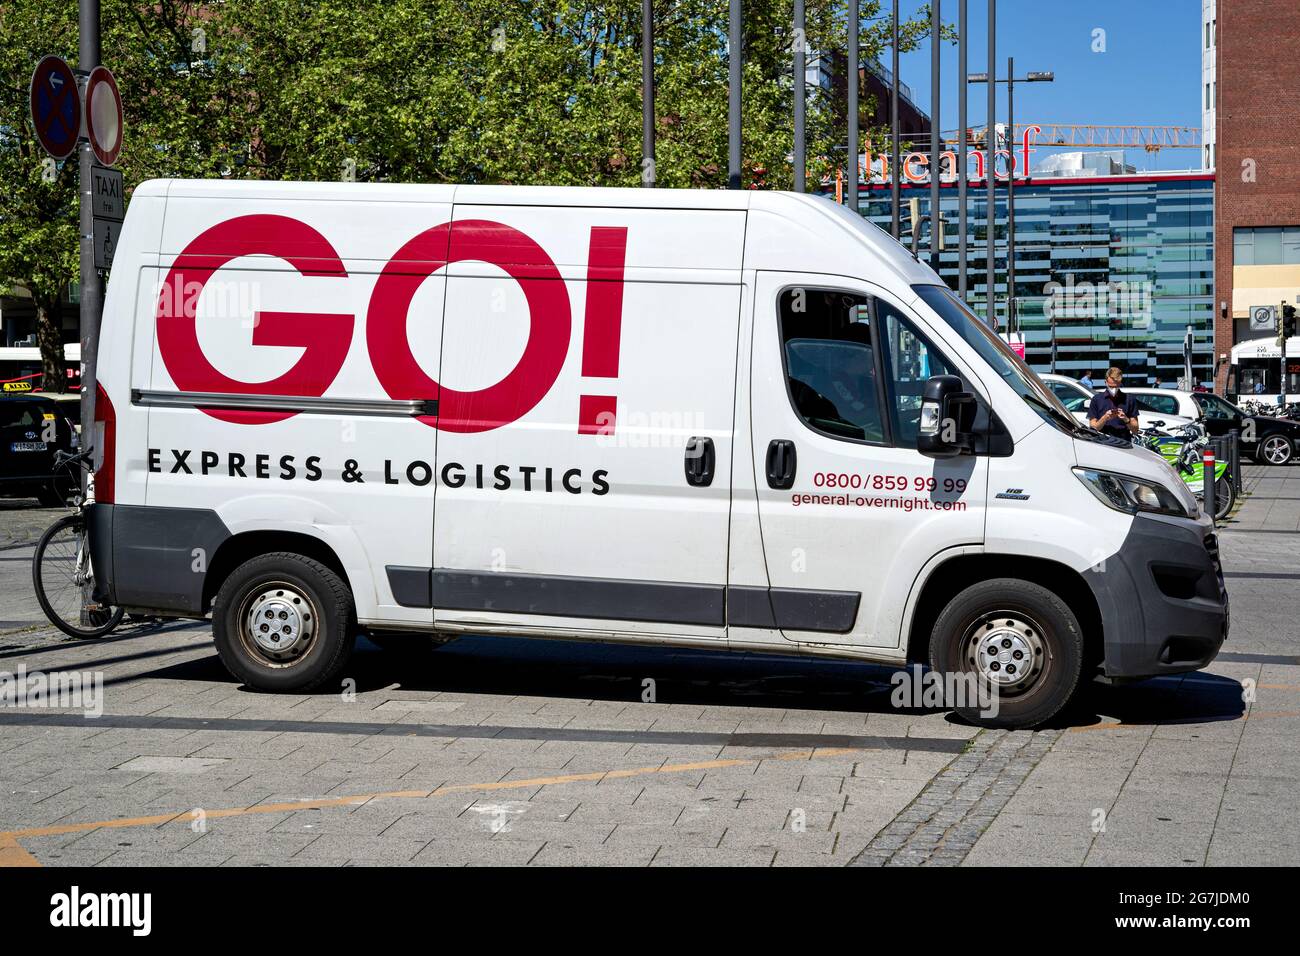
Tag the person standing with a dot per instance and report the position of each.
(1086, 381)
(1112, 412)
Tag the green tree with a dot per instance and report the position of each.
(411, 91)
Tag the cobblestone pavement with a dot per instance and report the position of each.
(506, 751)
(942, 824)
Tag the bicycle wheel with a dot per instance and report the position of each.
(1225, 495)
(64, 581)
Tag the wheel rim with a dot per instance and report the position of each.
(278, 623)
(1007, 650)
(1277, 450)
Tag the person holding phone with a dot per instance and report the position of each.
(1112, 412)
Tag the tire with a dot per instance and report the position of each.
(50, 566)
(1037, 624)
(1274, 450)
(301, 606)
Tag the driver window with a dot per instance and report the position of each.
(909, 360)
(827, 342)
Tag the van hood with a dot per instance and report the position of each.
(1124, 459)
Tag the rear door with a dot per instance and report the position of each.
(584, 350)
(317, 323)
(850, 511)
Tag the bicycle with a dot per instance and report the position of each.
(61, 567)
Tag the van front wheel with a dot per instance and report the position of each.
(1018, 643)
(283, 622)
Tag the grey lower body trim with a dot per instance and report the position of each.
(663, 602)
(558, 596)
(793, 609)
(152, 557)
(1163, 604)
(411, 587)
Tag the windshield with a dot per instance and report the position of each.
(1212, 406)
(999, 356)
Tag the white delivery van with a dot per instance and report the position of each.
(744, 420)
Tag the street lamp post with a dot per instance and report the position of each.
(895, 177)
(936, 218)
(1012, 79)
(851, 174)
(990, 262)
(800, 98)
(647, 93)
(734, 55)
(990, 168)
(961, 149)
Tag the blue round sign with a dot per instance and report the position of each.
(56, 106)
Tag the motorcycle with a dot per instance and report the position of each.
(1185, 454)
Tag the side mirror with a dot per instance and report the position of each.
(947, 417)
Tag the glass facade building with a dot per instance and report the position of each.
(1109, 270)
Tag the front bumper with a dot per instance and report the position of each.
(1164, 607)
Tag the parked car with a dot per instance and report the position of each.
(1076, 396)
(1272, 441)
(32, 428)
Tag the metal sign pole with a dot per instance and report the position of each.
(91, 294)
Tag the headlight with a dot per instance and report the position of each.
(1125, 493)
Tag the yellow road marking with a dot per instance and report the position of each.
(1116, 725)
(13, 854)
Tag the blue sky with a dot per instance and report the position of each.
(1150, 72)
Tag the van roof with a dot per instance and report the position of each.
(798, 222)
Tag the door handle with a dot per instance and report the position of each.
(781, 463)
(701, 461)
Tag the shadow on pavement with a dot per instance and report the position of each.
(1196, 698)
(590, 671)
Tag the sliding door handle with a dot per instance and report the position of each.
(781, 463)
(701, 462)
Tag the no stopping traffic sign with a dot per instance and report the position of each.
(56, 107)
(104, 115)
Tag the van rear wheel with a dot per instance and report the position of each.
(283, 622)
(1020, 643)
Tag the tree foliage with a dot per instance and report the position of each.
(413, 91)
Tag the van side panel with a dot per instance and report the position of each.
(587, 488)
(275, 296)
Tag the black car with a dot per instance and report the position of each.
(32, 429)
(1272, 441)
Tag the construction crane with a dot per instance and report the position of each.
(1084, 136)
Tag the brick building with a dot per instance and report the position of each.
(1255, 92)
